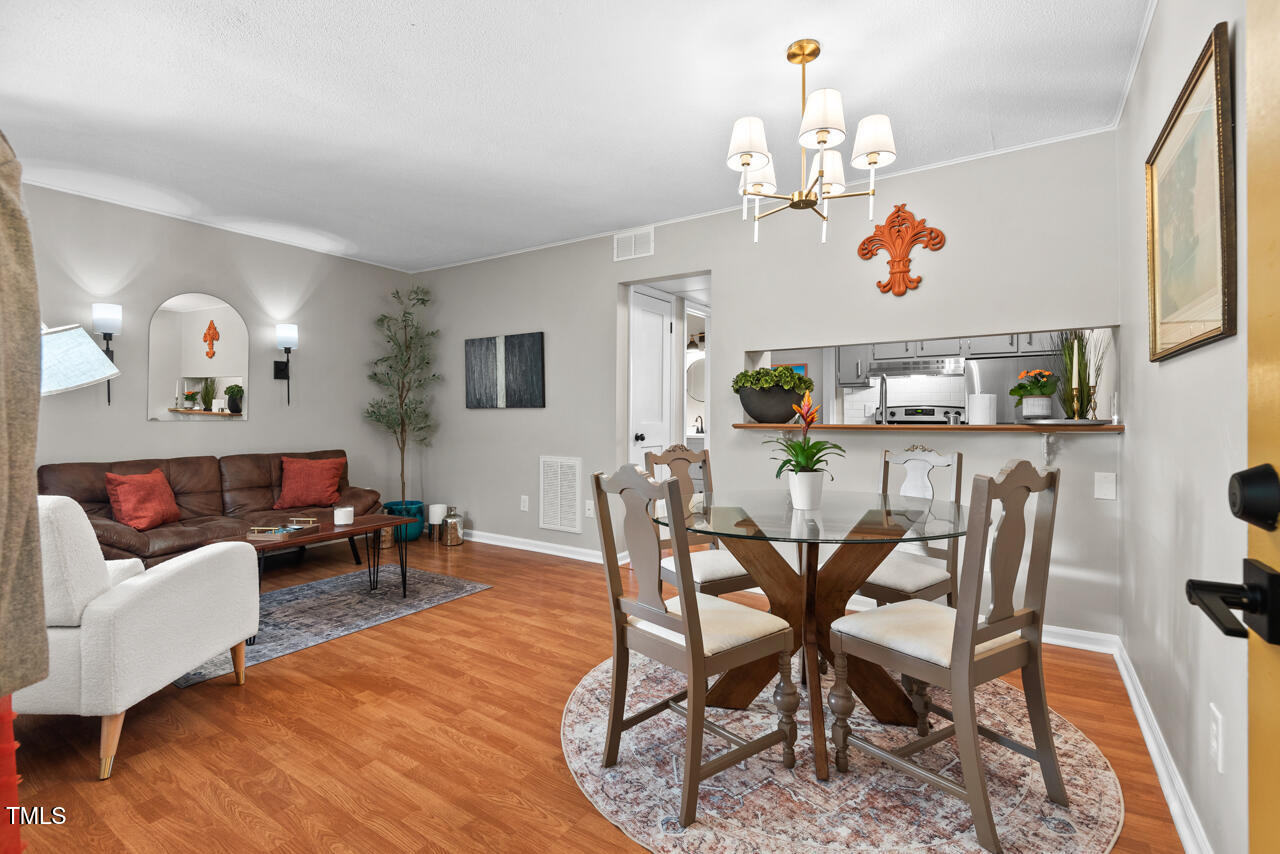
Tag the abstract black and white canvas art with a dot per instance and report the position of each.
(505, 372)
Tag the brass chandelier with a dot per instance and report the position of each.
(821, 130)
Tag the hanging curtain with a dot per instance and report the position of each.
(24, 653)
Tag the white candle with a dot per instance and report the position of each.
(1075, 366)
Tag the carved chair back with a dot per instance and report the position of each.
(920, 464)
(1012, 488)
(682, 462)
(637, 491)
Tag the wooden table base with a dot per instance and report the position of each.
(810, 600)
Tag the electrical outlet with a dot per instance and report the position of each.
(1215, 736)
(524, 503)
(1104, 485)
(589, 509)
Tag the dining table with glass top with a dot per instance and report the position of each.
(859, 530)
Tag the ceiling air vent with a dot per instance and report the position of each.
(560, 494)
(633, 244)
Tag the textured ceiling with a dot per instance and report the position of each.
(415, 134)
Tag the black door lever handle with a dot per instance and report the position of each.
(1258, 598)
(1217, 599)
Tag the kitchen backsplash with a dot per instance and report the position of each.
(860, 403)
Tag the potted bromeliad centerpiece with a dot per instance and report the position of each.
(770, 395)
(1034, 392)
(805, 459)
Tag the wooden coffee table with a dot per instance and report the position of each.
(370, 527)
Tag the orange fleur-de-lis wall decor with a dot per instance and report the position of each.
(210, 335)
(900, 232)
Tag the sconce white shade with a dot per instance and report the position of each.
(70, 359)
(107, 318)
(287, 335)
(748, 139)
(823, 111)
(762, 180)
(832, 172)
(874, 136)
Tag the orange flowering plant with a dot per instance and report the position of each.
(805, 454)
(1035, 383)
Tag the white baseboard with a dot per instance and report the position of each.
(1185, 819)
(539, 546)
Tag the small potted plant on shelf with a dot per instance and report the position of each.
(805, 459)
(770, 395)
(208, 391)
(189, 399)
(235, 398)
(1034, 392)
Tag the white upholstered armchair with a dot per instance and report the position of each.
(118, 634)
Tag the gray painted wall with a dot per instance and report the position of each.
(1187, 431)
(90, 251)
(1031, 245)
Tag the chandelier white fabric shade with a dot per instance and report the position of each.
(823, 111)
(763, 180)
(70, 359)
(874, 137)
(832, 164)
(287, 336)
(107, 318)
(748, 140)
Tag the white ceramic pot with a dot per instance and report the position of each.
(806, 489)
(1037, 406)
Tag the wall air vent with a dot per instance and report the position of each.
(633, 244)
(560, 494)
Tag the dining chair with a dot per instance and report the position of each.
(697, 634)
(715, 571)
(917, 570)
(959, 649)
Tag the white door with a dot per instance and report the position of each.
(651, 334)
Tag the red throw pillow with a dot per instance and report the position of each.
(309, 483)
(142, 501)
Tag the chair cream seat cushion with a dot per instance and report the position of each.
(725, 624)
(915, 627)
(907, 574)
(709, 565)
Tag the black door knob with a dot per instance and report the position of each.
(1254, 495)
(639, 437)
(1258, 598)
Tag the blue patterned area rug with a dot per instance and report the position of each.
(295, 618)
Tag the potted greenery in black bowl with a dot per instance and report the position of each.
(235, 397)
(768, 394)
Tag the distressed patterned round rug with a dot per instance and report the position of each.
(759, 806)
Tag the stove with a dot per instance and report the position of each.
(925, 414)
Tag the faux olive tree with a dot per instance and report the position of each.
(403, 374)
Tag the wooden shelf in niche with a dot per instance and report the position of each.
(202, 412)
(952, 428)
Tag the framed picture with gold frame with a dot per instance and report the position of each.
(1191, 212)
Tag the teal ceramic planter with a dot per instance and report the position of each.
(411, 509)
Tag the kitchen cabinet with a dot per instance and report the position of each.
(1037, 342)
(894, 350)
(936, 348)
(853, 365)
(988, 345)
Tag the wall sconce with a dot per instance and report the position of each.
(107, 320)
(286, 340)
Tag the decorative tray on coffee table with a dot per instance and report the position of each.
(299, 526)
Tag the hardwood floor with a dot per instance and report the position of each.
(434, 732)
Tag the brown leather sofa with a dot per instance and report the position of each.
(219, 498)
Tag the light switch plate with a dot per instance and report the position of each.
(1215, 736)
(1104, 485)
(589, 509)
(524, 503)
